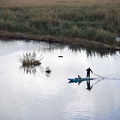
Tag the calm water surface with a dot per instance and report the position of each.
(31, 94)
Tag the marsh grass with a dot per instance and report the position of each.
(31, 59)
(24, 3)
(97, 22)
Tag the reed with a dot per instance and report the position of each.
(95, 22)
(29, 59)
(13, 3)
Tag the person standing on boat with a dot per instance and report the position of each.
(88, 72)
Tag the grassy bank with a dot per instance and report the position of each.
(94, 22)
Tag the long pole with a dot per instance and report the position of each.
(98, 75)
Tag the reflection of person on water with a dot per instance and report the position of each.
(88, 72)
(88, 85)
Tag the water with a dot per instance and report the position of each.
(31, 94)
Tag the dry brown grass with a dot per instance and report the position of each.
(96, 21)
(13, 3)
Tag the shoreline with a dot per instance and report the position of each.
(66, 41)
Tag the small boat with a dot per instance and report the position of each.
(75, 80)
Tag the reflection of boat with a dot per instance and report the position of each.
(75, 80)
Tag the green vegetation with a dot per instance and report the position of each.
(98, 22)
(30, 59)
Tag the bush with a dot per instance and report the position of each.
(31, 59)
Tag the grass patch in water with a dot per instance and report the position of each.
(29, 59)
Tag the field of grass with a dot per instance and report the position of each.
(23, 3)
(94, 20)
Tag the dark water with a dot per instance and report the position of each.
(32, 94)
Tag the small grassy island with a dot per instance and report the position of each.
(30, 59)
(87, 23)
